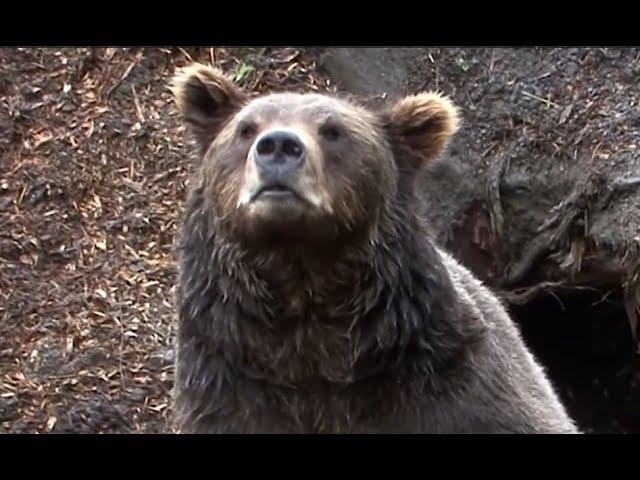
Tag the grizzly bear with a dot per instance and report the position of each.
(311, 298)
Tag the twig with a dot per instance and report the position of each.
(185, 53)
(123, 77)
(544, 75)
(489, 149)
(603, 299)
(540, 99)
(136, 102)
(521, 296)
(525, 295)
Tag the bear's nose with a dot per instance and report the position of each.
(279, 150)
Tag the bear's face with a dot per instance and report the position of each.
(304, 166)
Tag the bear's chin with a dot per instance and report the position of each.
(284, 225)
(272, 207)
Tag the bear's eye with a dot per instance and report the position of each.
(247, 130)
(330, 132)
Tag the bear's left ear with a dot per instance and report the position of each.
(422, 125)
(206, 98)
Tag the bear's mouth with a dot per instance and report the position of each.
(275, 191)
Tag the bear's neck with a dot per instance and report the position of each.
(288, 318)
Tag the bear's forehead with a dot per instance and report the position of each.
(302, 106)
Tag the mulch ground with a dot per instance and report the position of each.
(93, 170)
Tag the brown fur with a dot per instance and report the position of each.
(335, 312)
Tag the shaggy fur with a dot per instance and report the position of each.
(356, 322)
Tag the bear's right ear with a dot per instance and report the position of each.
(206, 98)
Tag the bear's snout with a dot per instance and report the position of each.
(277, 154)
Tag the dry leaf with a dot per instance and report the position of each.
(51, 422)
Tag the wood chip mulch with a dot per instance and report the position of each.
(93, 170)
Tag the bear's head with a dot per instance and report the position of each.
(293, 168)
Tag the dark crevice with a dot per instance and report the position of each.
(584, 341)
